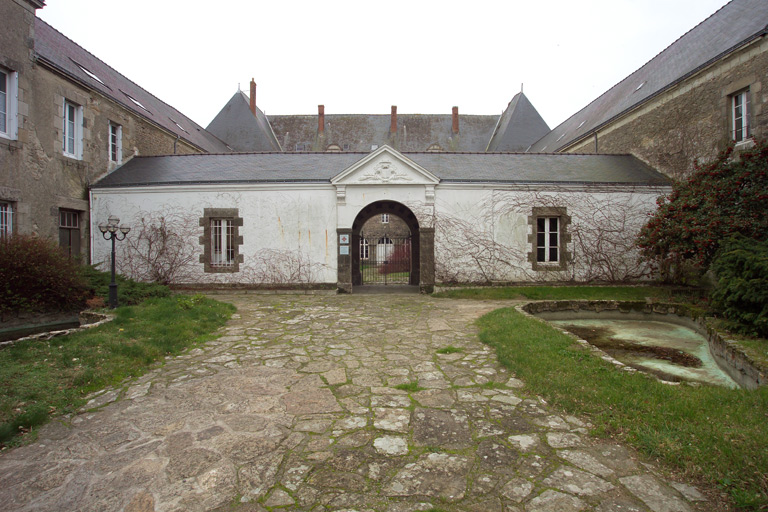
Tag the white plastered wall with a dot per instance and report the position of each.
(281, 224)
(481, 231)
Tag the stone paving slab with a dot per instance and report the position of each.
(295, 407)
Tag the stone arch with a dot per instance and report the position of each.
(422, 240)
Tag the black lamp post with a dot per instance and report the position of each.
(111, 231)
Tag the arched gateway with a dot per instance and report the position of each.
(383, 183)
(403, 252)
(422, 254)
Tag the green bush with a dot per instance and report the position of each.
(726, 196)
(741, 294)
(129, 292)
(36, 276)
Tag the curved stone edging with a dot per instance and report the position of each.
(88, 320)
(734, 361)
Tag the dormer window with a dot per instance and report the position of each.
(135, 101)
(178, 125)
(91, 74)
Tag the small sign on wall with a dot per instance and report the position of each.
(344, 250)
(344, 239)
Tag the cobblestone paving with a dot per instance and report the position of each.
(296, 407)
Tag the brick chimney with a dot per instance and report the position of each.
(253, 96)
(393, 123)
(455, 120)
(320, 119)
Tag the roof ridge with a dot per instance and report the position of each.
(638, 70)
(399, 114)
(196, 125)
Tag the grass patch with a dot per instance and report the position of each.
(567, 293)
(410, 387)
(712, 434)
(450, 349)
(40, 378)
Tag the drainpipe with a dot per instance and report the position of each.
(176, 142)
(90, 225)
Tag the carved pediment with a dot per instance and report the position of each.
(385, 166)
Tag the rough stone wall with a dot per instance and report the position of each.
(35, 175)
(691, 121)
(149, 140)
(15, 51)
(374, 228)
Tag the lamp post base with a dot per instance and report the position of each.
(112, 295)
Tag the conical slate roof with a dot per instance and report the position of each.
(243, 131)
(520, 126)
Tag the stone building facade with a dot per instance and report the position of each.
(694, 120)
(67, 119)
(688, 103)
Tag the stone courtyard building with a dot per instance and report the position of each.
(66, 119)
(282, 200)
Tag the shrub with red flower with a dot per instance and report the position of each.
(726, 196)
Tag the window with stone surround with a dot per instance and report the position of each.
(549, 238)
(115, 143)
(8, 103)
(221, 240)
(6, 219)
(73, 130)
(69, 232)
(739, 116)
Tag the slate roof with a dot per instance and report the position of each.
(562, 168)
(64, 55)
(735, 24)
(415, 132)
(520, 126)
(243, 131)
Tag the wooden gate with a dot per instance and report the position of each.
(385, 260)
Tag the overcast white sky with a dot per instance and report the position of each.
(357, 57)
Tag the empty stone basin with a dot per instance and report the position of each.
(672, 352)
